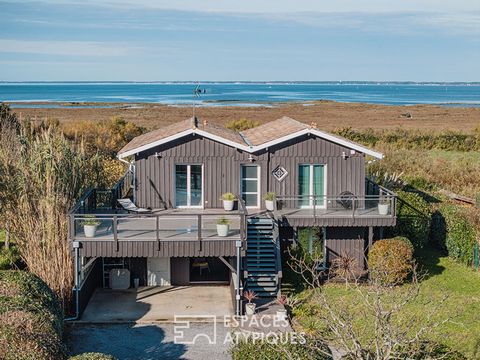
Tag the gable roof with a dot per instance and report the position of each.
(251, 140)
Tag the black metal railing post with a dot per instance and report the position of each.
(115, 232)
(157, 231)
(199, 231)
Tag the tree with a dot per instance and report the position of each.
(392, 336)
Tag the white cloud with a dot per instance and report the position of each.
(288, 6)
(68, 48)
(408, 22)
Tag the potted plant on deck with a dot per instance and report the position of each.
(250, 307)
(383, 206)
(90, 224)
(270, 201)
(228, 201)
(282, 311)
(223, 225)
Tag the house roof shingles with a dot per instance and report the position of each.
(248, 139)
(156, 135)
(273, 130)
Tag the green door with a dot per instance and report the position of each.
(311, 185)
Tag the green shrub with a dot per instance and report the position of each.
(8, 258)
(390, 261)
(459, 233)
(263, 350)
(317, 242)
(228, 196)
(93, 356)
(31, 318)
(413, 218)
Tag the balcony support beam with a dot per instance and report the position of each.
(370, 237)
(227, 264)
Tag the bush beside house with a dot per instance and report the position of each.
(453, 231)
(263, 350)
(413, 218)
(9, 258)
(31, 318)
(390, 261)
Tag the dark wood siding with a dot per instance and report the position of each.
(348, 241)
(138, 269)
(221, 167)
(151, 249)
(155, 174)
(180, 271)
(341, 174)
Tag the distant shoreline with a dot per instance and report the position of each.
(208, 103)
(189, 82)
(328, 115)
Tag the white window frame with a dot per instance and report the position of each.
(189, 187)
(258, 185)
(310, 186)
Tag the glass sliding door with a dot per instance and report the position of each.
(304, 185)
(196, 185)
(311, 182)
(188, 186)
(250, 185)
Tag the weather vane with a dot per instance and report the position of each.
(196, 94)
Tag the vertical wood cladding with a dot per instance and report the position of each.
(155, 168)
(347, 241)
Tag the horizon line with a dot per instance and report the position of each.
(239, 81)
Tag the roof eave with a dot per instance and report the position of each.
(256, 148)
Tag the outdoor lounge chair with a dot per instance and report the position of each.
(128, 205)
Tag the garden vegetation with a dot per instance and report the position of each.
(31, 318)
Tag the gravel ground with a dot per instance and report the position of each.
(151, 341)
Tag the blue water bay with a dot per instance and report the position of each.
(242, 94)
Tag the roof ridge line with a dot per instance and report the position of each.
(245, 138)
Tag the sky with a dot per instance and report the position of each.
(317, 40)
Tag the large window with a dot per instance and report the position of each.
(188, 186)
(311, 185)
(250, 185)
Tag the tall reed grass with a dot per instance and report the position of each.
(42, 175)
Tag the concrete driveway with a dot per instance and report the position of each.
(156, 304)
(146, 342)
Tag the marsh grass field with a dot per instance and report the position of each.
(328, 115)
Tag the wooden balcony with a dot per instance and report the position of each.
(377, 208)
(160, 233)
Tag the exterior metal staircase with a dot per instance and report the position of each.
(263, 263)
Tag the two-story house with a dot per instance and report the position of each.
(178, 174)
